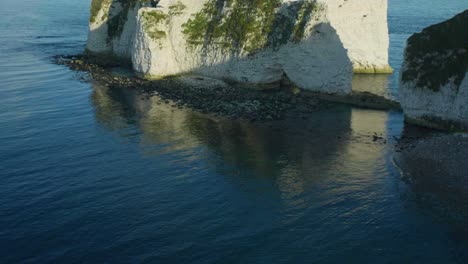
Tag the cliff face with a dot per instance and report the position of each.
(315, 44)
(112, 27)
(434, 83)
(243, 41)
(363, 29)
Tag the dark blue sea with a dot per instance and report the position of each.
(90, 174)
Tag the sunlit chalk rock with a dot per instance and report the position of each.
(363, 29)
(251, 42)
(434, 84)
(314, 44)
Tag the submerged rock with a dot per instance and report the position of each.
(434, 84)
(314, 44)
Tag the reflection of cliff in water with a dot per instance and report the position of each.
(157, 122)
(333, 144)
(111, 108)
(378, 84)
(254, 146)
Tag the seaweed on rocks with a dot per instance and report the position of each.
(205, 95)
(438, 54)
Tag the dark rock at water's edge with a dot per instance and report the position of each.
(217, 97)
(434, 83)
(360, 99)
(433, 164)
(202, 94)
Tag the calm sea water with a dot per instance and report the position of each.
(94, 175)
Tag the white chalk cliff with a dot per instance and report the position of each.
(112, 27)
(315, 44)
(434, 79)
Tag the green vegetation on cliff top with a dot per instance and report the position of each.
(151, 21)
(154, 21)
(97, 5)
(237, 25)
(438, 54)
(177, 9)
(249, 25)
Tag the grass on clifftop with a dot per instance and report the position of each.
(438, 54)
(155, 21)
(151, 21)
(97, 5)
(249, 25)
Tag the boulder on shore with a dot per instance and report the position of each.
(434, 83)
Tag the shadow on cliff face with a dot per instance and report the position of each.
(237, 46)
(335, 143)
(319, 62)
(284, 25)
(238, 35)
(111, 42)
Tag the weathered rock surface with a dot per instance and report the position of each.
(204, 94)
(434, 84)
(247, 43)
(314, 44)
(363, 29)
(112, 27)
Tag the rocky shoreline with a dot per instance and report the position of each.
(433, 165)
(442, 154)
(219, 98)
(202, 94)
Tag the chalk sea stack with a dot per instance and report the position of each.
(316, 45)
(434, 83)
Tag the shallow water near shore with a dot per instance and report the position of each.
(91, 174)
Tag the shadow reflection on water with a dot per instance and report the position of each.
(331, 170)
(337, 140)
(378, 84)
